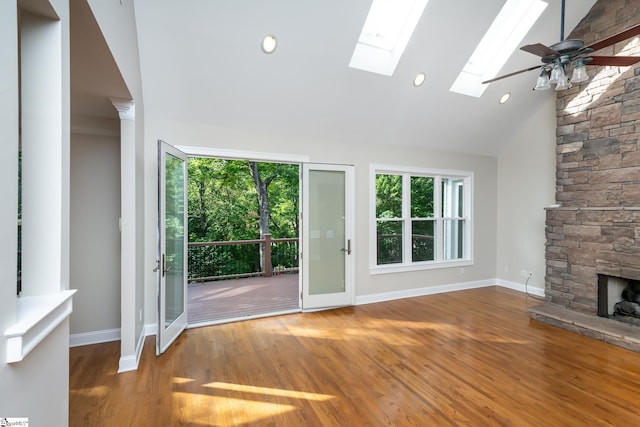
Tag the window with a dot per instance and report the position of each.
(421, 218)
(385, 35)
(512, 23)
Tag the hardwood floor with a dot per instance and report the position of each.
(464, 358)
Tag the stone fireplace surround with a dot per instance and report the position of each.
(595, 228)
(582, 243)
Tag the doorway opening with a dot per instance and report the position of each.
(243, 246)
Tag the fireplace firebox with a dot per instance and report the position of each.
(619, 299)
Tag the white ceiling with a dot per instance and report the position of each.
(201, 61)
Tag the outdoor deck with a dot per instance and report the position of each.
(217, 301)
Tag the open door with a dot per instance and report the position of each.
(172, 253)
(327, 236)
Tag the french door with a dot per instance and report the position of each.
(327, 236)
(172, 251)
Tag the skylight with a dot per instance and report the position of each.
(503, 37)
(385, 34)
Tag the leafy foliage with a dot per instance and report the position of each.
(389, 188)
(224, 206)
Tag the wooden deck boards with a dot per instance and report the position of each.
(238, 298)
(469, 358)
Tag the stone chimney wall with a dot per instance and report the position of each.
(596, 227)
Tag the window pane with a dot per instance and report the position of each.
(422, 241)
(452, 197)
(454, 239)
(422, 197)
(388, 196)
(389, 235)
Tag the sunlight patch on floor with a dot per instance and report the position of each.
(220, 410)
(270, 391)
(180, 380)
(385, 331)
(97, 391)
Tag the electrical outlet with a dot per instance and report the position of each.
(140, 316)
(524, 273)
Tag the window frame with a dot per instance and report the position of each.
(439, 219)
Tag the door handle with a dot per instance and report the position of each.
(164, 269)
(348, 249)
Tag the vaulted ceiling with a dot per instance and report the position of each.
(201, 61)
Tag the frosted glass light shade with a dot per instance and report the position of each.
(543, 82)
(556, 72)
(579, 73)
(563, 82)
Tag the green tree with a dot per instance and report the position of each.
(225, 203)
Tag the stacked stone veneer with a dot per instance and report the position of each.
(596, 228)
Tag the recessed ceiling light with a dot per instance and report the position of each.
(419, 79)
(269, 43)
(504, 98)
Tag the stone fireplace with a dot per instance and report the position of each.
(593, 232)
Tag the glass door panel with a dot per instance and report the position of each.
(327, 242)
(172, 307)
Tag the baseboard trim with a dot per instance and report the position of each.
(130, 363)
(418, 292)
(150, 329)
(532, 290)
(95, 337)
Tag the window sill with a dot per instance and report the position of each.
(402, 268)
(36, 317)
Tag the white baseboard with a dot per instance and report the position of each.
(418, 292)
(520, 287)
(150, 329)
(95, 337)
(130, 363)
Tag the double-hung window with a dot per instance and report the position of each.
(420, 218)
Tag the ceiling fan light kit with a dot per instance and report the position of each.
(572, 53)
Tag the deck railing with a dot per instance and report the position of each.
(210, 261)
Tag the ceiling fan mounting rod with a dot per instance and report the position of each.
(562, 21)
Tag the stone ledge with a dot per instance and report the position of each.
(592, 208)
(607, 330)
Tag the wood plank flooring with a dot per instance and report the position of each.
(232, 299)
(470, 358)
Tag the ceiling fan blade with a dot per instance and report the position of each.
(539, 49)
(511, 74)
(620, 61)
(626, 34)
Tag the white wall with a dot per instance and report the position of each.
(95, 234)
(38, 386)
(117, 23)
(485, 198)
(526, 185)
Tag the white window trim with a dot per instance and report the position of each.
(44, 303)
(36, 317)
(405, 266)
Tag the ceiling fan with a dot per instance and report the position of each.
(557, 58)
